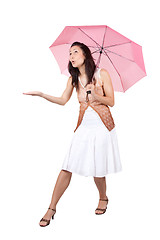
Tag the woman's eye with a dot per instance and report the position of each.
(74, 52)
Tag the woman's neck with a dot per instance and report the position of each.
(82, 70)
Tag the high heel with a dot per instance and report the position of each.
(46, 220)
(101, 209)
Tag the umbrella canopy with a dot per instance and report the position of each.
(120, 56)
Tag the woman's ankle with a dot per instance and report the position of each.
(103, 196)
(52, 206)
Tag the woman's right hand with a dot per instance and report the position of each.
(34, 93)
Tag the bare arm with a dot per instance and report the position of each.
(59, 100)
(65, 96)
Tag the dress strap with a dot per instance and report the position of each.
(80, 82)
(98, 76)
(99, 72)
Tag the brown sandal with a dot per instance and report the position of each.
(103, 210)
(48, 221)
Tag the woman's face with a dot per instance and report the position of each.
(76, 56)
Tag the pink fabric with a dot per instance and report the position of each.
(121, 57)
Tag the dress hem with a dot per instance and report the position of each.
(116, 171)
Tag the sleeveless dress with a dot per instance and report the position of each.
(93, 149)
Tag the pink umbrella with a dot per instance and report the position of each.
(120, 56)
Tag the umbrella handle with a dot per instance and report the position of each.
(88, 92)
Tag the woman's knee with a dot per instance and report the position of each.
(99, 178)
(66, 172)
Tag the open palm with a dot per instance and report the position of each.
(34, 93)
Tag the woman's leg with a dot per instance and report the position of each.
(101, 185)
(61, 185)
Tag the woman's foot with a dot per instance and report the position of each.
(47, 216)
(102, 205)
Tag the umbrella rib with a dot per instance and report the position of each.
(70, 45)
(95, 51)
(89, 37)
(120, 56)
(98, 61)
(99, 58)
(104, 35)
(117, 44)
(115, 69)
(91, 46)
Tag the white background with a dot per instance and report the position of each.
(35, 133)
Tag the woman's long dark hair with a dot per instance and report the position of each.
(90, 65)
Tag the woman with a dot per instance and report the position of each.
(94, 149)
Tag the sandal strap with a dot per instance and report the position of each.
(104, 199)
(52, 209)
(45, 220)
(101, 209)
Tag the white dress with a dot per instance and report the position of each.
(93, 150)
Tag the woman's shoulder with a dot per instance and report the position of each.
(102, 74)
(69, 82)
(103, 71)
